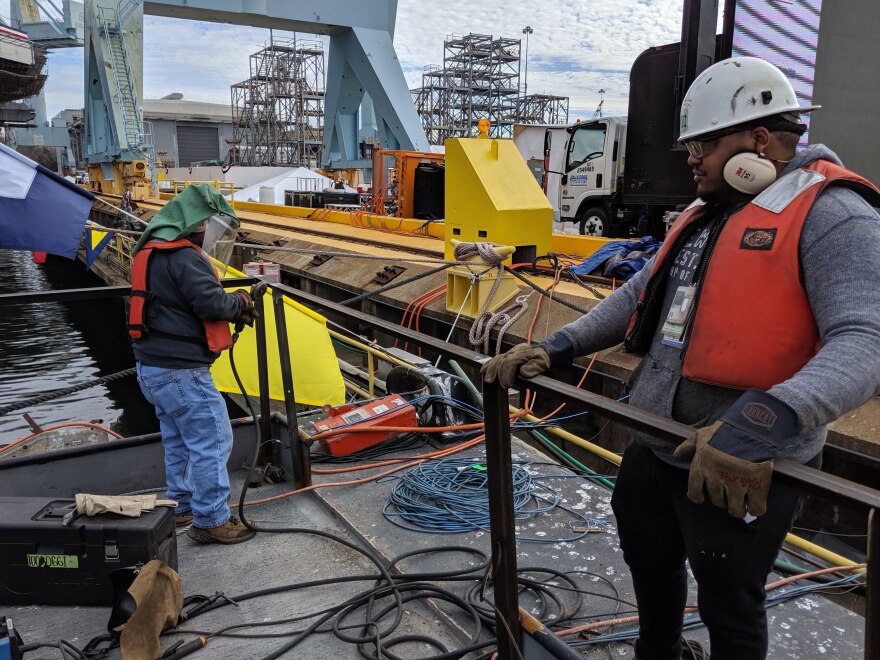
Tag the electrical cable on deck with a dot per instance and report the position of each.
(452, 496)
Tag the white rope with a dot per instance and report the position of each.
(481, 330)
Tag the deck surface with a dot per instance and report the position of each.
(809, 627)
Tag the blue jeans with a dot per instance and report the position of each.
(197, 439)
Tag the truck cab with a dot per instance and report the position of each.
(592, 167)
(580, 167)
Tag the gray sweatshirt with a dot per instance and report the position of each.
(840, 259)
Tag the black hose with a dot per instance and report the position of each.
(534, 286)
(297, 530)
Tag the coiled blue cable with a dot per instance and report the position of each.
(451, 496)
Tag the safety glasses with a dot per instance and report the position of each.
(700, 148)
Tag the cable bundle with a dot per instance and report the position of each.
(452, 496)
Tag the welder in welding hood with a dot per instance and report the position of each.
(201, 213)
(179, 322)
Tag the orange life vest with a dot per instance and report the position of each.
(751, 325)
(217, 333)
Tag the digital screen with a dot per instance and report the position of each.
(785, 33)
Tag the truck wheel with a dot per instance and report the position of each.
(594, 222)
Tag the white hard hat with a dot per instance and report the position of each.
(733, 92)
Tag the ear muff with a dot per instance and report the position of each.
(749, 173)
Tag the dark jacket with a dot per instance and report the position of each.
(186, 291)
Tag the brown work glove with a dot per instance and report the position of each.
(248, 312)
(733, 458)
(735, 484)
(523, 359)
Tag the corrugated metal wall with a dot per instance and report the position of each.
(196, 143)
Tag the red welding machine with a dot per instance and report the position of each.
(391, 410)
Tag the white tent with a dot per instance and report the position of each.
(299, 179)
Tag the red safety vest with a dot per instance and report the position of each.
(217, 333)
(752, 325)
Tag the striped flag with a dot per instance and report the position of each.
(39, 210)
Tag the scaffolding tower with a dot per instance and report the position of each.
(278, 112)
(542, 109)
(480, 78)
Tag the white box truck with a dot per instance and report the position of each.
(579, 167)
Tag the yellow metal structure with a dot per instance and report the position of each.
(130, 176)
(492, 196)
(223, 187)
(469, 286)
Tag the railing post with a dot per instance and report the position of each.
(299, 454)
(263, 375)
(501, 520)
(872, 579)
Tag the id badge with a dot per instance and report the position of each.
(676, 324)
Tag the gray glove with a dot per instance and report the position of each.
(522, 360)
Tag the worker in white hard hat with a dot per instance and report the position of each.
(759, 325)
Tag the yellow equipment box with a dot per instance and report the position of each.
(492, 196)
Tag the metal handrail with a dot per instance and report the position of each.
(224, 187)
(133, 126)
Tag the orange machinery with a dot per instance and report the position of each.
(401, 171)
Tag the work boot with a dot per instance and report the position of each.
(232, 531)
(183, 519)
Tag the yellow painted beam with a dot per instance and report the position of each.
(351, 218)
(568, 244)
(576, 245)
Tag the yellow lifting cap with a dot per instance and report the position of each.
(483, 127)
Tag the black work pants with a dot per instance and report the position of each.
(730, 559)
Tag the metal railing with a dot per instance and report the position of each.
(176, 187)
(126, 97)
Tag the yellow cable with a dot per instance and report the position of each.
(611, 457)
(821, 553)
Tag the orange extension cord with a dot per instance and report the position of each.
(399, 463)
(773, 585)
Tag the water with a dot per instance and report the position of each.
(50, 346)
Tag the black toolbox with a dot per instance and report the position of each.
(44, 562)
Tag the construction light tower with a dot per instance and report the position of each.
(598, 112)
(527, 30)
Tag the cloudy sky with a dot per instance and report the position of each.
(577, 48)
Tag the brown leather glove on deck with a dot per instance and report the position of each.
(522, 360)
